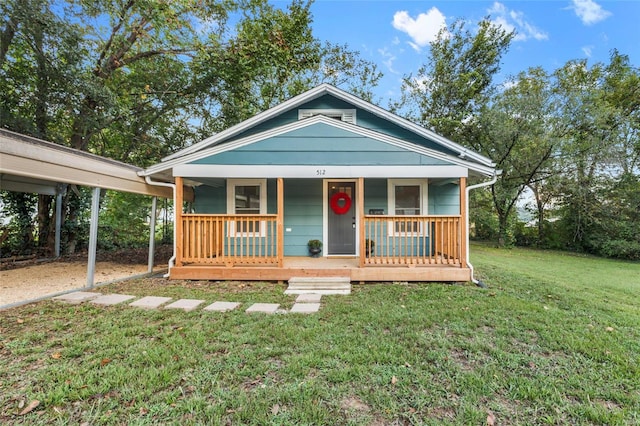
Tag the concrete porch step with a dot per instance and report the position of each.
(319, 285)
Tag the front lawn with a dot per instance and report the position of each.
(555, 339)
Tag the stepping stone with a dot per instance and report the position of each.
(77, 297)
(221, 306)
(185, 304)
(309, 298)
(266, 308)
(304, 308)
(150, 302)
(112, 299)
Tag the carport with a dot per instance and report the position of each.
(33, 165)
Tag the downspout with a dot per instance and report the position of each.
(147, 179)
(469, 188)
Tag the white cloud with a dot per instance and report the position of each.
(388, 59)
(511, 20)
(422, 30)
(589, 11)
(587, 50)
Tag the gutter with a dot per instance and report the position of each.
(172, 260)
(469, 188)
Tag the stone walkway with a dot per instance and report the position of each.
(304, 304)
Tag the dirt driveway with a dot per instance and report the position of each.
(41, 279)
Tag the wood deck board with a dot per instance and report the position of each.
(323, 267)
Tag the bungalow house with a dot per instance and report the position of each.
(386, 197)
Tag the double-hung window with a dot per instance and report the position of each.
(246, 197)
(407, 197)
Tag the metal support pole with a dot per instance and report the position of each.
(93, 237)
(58, 222)
(152, 233)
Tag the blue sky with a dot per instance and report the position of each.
(395, 34)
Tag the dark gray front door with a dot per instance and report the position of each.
(342, 226)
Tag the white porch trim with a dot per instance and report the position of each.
(317, 171)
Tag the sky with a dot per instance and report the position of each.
(395, 35)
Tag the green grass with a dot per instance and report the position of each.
(555, 339)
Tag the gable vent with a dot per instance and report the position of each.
(346, 115)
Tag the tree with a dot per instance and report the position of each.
(514, 132)
(135, 80)
(598, 126)
(273, 57)
(449, 91)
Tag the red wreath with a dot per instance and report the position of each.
(335, 199)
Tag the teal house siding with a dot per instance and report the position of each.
(210, 200)
(444, 199)
(213, 200)
(303, 203)
(363, 119)
(373, 122)
(375, 195)
(320, 144)
(281, 120)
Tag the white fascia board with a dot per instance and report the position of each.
(409, 146)
(317, 171)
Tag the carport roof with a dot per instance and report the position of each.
(29, 164)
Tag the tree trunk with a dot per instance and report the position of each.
(44, 224)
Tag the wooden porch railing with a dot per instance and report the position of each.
(411, 240)
(229, 240)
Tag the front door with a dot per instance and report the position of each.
(341, 217)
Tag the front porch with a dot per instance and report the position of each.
(324, 267)
(387, 247)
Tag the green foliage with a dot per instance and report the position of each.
(598, 126)
(138, 80)
(18, 211)
(482, 217)
(125, 221)
(314, 244)
(457, 80)
(614, 229)
(273, 57)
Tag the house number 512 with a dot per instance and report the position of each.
(320, 172)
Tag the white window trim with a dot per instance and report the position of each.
(346, 115)
(231, 205)
(391, 208)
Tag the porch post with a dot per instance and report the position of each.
(361, 233)
(59, 189)
(93, 237)
(178, 219)
(464, 237)
(280, 223)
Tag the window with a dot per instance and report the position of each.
(407, 197)
(346, 115)
(246, 197)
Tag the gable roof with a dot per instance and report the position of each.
(313, 121)
(469, 157)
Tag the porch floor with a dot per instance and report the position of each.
(323, 267)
